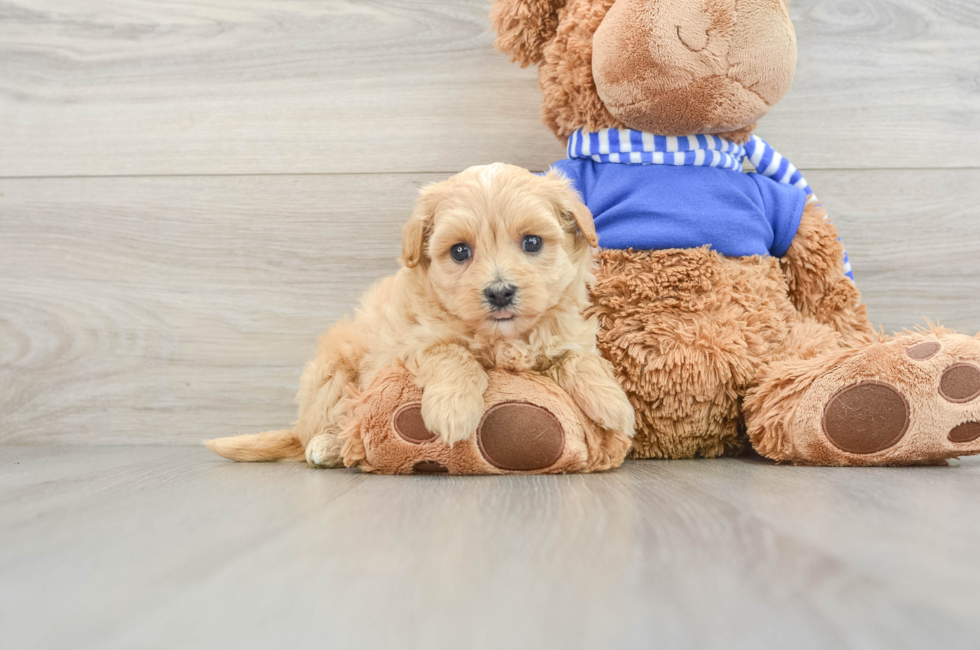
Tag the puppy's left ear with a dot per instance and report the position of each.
(571, 211)
(416, 232)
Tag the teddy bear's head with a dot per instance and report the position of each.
(671, 67)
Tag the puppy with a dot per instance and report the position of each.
(495, 273)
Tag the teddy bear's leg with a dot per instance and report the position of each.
(913, 398)
(837, 394)
(530, 425)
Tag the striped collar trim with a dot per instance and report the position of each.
(640, 148)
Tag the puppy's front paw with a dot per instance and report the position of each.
(609, 407)
(451, 412)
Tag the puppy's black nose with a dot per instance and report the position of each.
(500, 295)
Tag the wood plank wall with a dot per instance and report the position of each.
(190, 192)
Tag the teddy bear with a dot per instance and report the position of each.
(724, 297)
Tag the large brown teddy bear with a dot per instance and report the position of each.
(717, 351)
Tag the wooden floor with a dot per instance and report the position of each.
(155, 547)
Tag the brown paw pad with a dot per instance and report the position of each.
(866, 418)
(409, 426)
(960, 383)
(923, 351)
(429, 467)
(966, 432)
(520, 437)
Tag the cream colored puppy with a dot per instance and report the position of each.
(495, 272)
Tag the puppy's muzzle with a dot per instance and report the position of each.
(500, 295)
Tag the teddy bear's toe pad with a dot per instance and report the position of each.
(520, 437)
(867, 417)
(923, 351)
(429, 467)
(960, 383)
(966, 432)
(408, 424)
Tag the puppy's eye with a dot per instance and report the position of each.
(531, 244)
(460, 252)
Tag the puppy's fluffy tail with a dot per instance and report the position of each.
(269, 445)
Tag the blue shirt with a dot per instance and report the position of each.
(652, 207)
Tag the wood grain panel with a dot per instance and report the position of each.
(913, 237)
(176, 548)
(104, 87)
(172, 309)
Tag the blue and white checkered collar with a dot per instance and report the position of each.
(630, 147)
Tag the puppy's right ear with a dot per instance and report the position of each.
(416, 232)
(572, 213)
(524, 27)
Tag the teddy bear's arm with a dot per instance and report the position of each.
(818, 287)
(524, 27)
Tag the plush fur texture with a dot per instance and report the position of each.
(686, 331)
(436, 319)
(718, 353)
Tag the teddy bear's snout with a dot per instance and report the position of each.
(693, 39)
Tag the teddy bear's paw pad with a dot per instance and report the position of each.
(409, 426)
(960, 383)
(520, 437)
(867, 417)
(429, 467)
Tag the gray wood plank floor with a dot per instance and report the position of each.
(155, 547)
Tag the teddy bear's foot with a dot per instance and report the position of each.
(530, 425)
(910, 400)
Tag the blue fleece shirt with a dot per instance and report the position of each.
(652, 207)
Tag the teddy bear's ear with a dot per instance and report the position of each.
(524, 27)
(573, 214)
